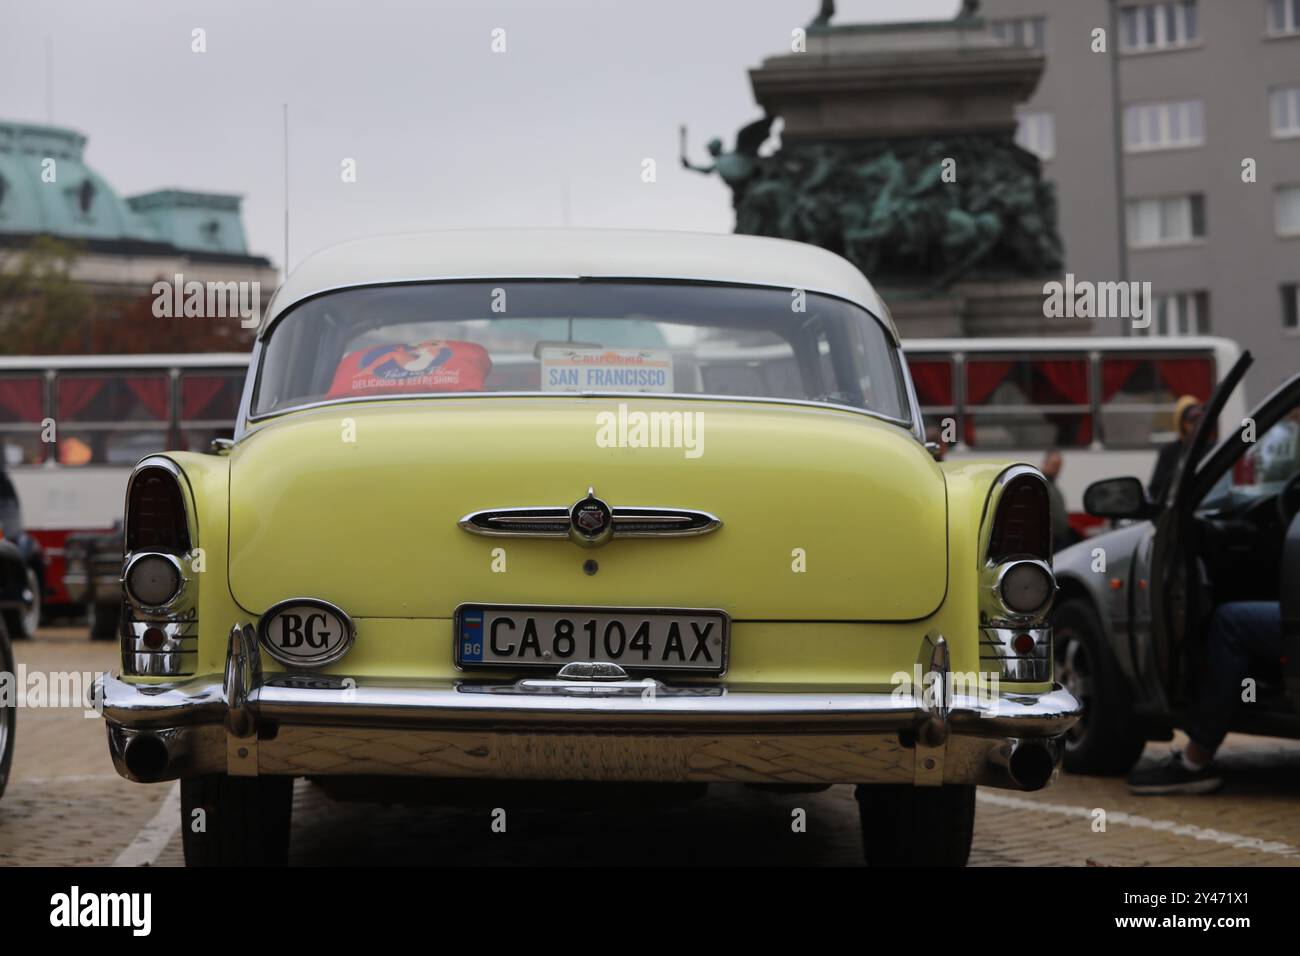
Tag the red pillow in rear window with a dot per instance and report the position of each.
(433, 366)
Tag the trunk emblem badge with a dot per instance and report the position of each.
(590, 522)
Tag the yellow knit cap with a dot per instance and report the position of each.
(1180, 409)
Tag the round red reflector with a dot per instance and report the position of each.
(154, 638)
(1022, 643)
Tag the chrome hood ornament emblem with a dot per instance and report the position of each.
(589, 522)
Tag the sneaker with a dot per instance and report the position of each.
(1170, 775)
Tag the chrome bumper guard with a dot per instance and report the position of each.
(247, 723)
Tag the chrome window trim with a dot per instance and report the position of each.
(905, 423)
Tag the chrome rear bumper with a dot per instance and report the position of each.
(309, 725)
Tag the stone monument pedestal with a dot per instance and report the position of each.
(976, 309)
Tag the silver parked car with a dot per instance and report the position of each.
(1134, 602)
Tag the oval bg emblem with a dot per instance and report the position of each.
(306, 632)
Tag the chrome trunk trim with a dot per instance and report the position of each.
(570, 521)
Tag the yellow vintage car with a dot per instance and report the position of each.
(593, 506)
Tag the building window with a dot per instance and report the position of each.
(1157, 26)
(1163, 125)
(1179, 313)
(1024, 31)
(1166, 220)
(1283, 17)
(1284, 107)
(1291, 306)
(1287, 206)
(1036, 132)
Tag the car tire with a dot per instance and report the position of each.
(14, 624)
(1106, 741)
(8, 714)
(903, 825)
(32, 619)
(103, 619)
(245, 820)
(22, 624)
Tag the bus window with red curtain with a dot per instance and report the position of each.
(111, 419)
(22, 412)
(209, 407)
(933, 379)
(1038, 403)
(1138, 393)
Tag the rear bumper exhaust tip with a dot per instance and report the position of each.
(1028, 764)
(146, 757)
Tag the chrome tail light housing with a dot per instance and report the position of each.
(159, 630)
(1016, 582)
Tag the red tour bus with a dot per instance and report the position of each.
(71, 428)
(1105, 403)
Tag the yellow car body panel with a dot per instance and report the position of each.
(371, 525)
(358, 505)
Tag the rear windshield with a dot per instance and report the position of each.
(589, 337)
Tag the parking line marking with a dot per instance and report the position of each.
(71, 778)
(156, 834)
(1236, 840)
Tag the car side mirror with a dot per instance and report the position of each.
(1117, 498)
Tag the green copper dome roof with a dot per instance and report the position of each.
(47, 188)
(77, 203)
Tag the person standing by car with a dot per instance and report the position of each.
(1240, 632)
(1187, 415)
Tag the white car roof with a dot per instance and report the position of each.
(576, 253)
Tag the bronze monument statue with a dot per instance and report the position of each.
(737, 167)
(916, 195)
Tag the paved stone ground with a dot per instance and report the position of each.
(66, 806)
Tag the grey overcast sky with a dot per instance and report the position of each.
(445, 133)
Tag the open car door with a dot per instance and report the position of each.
(1291, 611)
(1272, 454)
(1179, 602)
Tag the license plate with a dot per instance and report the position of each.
(637, 639)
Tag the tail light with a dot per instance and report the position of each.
(1022, 525)
(159, 587)
(1016, 580)
(155, 512)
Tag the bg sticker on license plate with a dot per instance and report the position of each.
(637, 639)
